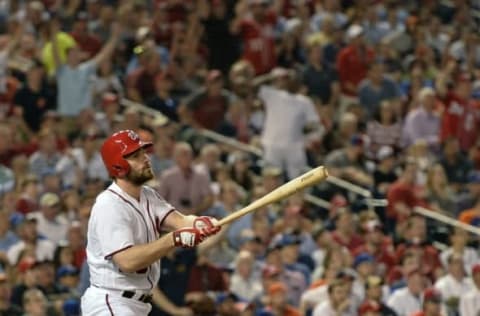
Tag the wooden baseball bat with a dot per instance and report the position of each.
(301, 182)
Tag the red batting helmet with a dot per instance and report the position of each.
(116, 147)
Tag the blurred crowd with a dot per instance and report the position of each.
(384, 93)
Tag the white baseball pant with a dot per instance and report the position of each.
(102, 302)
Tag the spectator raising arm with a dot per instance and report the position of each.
(108, 49)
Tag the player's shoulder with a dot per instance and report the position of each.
(152, 194)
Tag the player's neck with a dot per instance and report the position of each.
(131, 189)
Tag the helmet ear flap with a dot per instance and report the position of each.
(120, 170)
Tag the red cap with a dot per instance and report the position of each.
(476, 268)
(369, 306)
(25, 264)
(431, 294)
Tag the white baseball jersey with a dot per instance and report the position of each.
(117, 222)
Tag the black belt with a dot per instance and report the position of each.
(145, 298)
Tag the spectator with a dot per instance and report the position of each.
(459, 240)
(34, 98)
(338, 302)
(469, 301)
(384, 129)
(454, 283)
(6, 307)
(163, 101)
(106, 81)
(29, 194)
(89, 44)
(320, 80)
(375, 294)
(47, 156)
(347, 162)
(183, 186)
(405, 301)
(73, 76)
(51, 224)
(456, 164)
(384, 174)
(26, 230)
(345, 233)
(423, 122)
(298, 112)
(35, 303)
(140, 82)
(253, 22)
(377, 88)
(432, 304)
(401, 196)
(277, 301)
(244, 282)
(460, 119)
(353, 60)
(439, 195)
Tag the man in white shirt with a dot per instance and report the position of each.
(455, 283)
(470, 302)
(407, 300)
(338, 303)
(50, 223)
(288, 115)
(26, 229)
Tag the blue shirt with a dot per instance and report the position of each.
(75, 88)
(8, 240)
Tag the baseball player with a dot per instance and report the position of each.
(124, 232)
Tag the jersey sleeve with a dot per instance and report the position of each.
(159, 207)
(112, 226)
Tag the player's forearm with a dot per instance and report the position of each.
(139, 257)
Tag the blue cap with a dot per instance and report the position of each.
(67, 271)
(356, 140)
(288, 240)
(474, 177)
(71, 307)
(361, 258)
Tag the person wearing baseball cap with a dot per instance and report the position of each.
(374, 293)
(452, 285)
(125, 243)
(470, 301)
(432, 303)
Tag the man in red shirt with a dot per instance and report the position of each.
(353, 61)
(462, 113)
(89, 43)
(401, 196)
(255, 23)
(379, 246)
(207, 107)
(345, 233)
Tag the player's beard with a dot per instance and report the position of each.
(140, 177)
